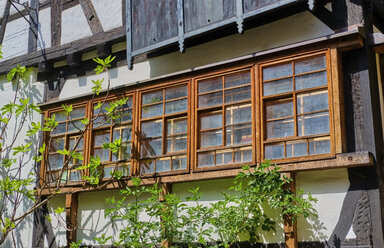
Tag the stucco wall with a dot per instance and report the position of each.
(34, 90)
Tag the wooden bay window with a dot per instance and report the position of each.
(164, 129)
(224, 120)
(296, 107)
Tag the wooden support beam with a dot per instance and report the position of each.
(56, 9)
(71, 206)
(73, 59)
(345, 160)
(290, 225)
(4, 21)
(91, 16)
(33, 27)
(104, 50)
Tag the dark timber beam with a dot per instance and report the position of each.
(91, 16)
(33, 28)
(56, 9)
(74, 59)
(104, 50)
(4, 21)
(71, 204)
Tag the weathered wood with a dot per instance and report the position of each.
(290, 224)
(103, 50)
(74, 59)
(200, 13)
(71, 206)
(4, 21)
(345, 160)
(153, 22)
(251, 5)
(56, 9)
(33, 27)
(70, 3)
(91, 16)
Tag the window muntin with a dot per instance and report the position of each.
(108, 127)
(164, 130)
(224, 115)
(296, 108)
(66, 135)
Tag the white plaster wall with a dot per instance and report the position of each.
(44, 31)
(19, 6)
(74, 25)
(330, 188)
(293, 29)
(109, 13)
(34, 90)
(58, 223)
(15, 41)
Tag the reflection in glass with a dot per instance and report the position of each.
(313, 124)
(277, 87)
(274, 151)
(314, 101)
(152, 111)
(238, 114)
(277, 71)
(151, 148)
(176, 92)
(211, 138)
(296, 149)
(176, 106)
(210, 84)
(147, 166)
(211, 99)
(236, 79)
(152, 97)
(211, 121)
(163, 164)
(151, 129)
(278, 109)
(238, 94)
(239, 134)
(280, 128)
(311, 64)
(311, 80)
(319, 146)
(206, 159)
(179, 163)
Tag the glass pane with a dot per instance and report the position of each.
(313, 101)
(281, 128)
(101, 138)
(211, 84)
(177, 143)
(311, 80)
(238, 94)
(75, 176)
(163, 164)
(151, 129)
(205, 159)
(237, 79)
(97, 110)
(278, 86)
(176, 106)
(73, 141)
(211, 138)
(313, 124)
(176, 126)
(152, 97)
(150, 148)
(211, 99)
(103, 154)
(73, 161)
(277, 71)
(238, 114)
(56, 161)
(59, 129)
(75, 126)
(77, 113)
(152, 111)
(224, 157)
(296, 148)
(56, 144)
(279, 109)
(176, 92)
(147, 166)
(60, 116)
(125, 133)
(211, 121)
(101, 121)
(239, 134)
(244, 155)
(124, 116)
(124, 152)
(319, 146)
(274, 151)
(179, 163)
(311, 64)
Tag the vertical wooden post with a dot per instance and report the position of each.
(71, 203)
(166, 188)
(290, 226)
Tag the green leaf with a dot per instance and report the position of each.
(59, 210)
(67, 108)
(63, 152)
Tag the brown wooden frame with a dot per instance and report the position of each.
(292, 94)
(164, 117)
(335, 104)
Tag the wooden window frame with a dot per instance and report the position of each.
(47, 136)
(335, 105)
(292, 94)
(163, 118)
(110, 128)
(221, 107)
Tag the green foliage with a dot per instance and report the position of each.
(59, 210)
(75, 244)
(114, 146)
(94, 171)
(103, 65)
(97, 86)
(241, 216)
(67, 108)
(19, 72)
